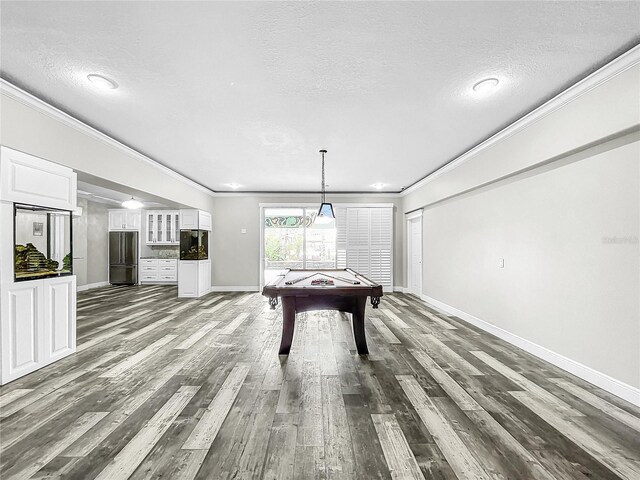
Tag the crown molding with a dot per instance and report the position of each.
(315, 195)
(627, 60)
(12, 91)
(617, 66)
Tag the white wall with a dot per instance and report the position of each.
(79, 229)
(97, 243)
(24, 230)
(558, 198)
(91, 243)
(563, 286)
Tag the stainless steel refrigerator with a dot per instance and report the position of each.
(123, 258)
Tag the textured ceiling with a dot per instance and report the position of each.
(248, 92)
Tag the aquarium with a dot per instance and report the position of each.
(194, 244)
(42, 242)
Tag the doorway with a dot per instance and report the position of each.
(414, 254)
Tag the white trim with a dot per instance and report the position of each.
(234, 288)
(314, 195)
(337, 204)
(599, 379)
(617, 66)
(409, 269)
(41, 106)
(414, 214)
(399, 289)
(89, 286)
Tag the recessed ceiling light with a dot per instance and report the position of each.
(486, 85)
(235, 186)
(378, 186)
(102, 82)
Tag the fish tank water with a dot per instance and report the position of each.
(194, 244)
(42, 242)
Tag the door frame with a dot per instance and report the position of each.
(410, 218)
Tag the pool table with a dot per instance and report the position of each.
(306, 290)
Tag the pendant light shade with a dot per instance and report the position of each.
(325, 212)
(132, 204)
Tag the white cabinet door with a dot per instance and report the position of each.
(22, 329)
(162, 227)
(167, 223)
(132, 220)
(150, 236)
(204, 220)
(176, 228)
(116, 220)
(204, 278)
(59, 318)
(124, 220)
(188, 275)
(189, 219)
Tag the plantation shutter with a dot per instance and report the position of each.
(341, 237)
(368, 241)
(380, 245)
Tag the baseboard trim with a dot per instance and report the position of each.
(616, 387)
(89, 286)
(400, 289)
(235, 288)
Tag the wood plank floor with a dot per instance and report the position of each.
(171, 388)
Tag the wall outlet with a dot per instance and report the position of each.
(501, 263)
(243, 231)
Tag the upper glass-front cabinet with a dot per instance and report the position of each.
(163, 227)
(42, 242)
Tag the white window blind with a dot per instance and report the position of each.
(364, 241)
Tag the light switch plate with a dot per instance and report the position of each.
(501, 263)
(243, 231)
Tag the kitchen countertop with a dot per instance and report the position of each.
(158, 258)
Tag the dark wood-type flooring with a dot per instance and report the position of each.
(172, 388)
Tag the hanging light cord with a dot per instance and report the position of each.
(323, 187)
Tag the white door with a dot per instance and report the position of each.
(414, 259)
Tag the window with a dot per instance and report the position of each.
(292, 241)
(361, 239)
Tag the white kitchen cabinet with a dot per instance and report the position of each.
(31, 180)
(162, 227)
(159, 270)
(195, 278)
(38, 324)
(193, 219)
(124, 220)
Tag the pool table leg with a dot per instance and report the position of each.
(360, 304)
(288, 324)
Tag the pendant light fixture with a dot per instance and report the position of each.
(325, 212)
(132, 204)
